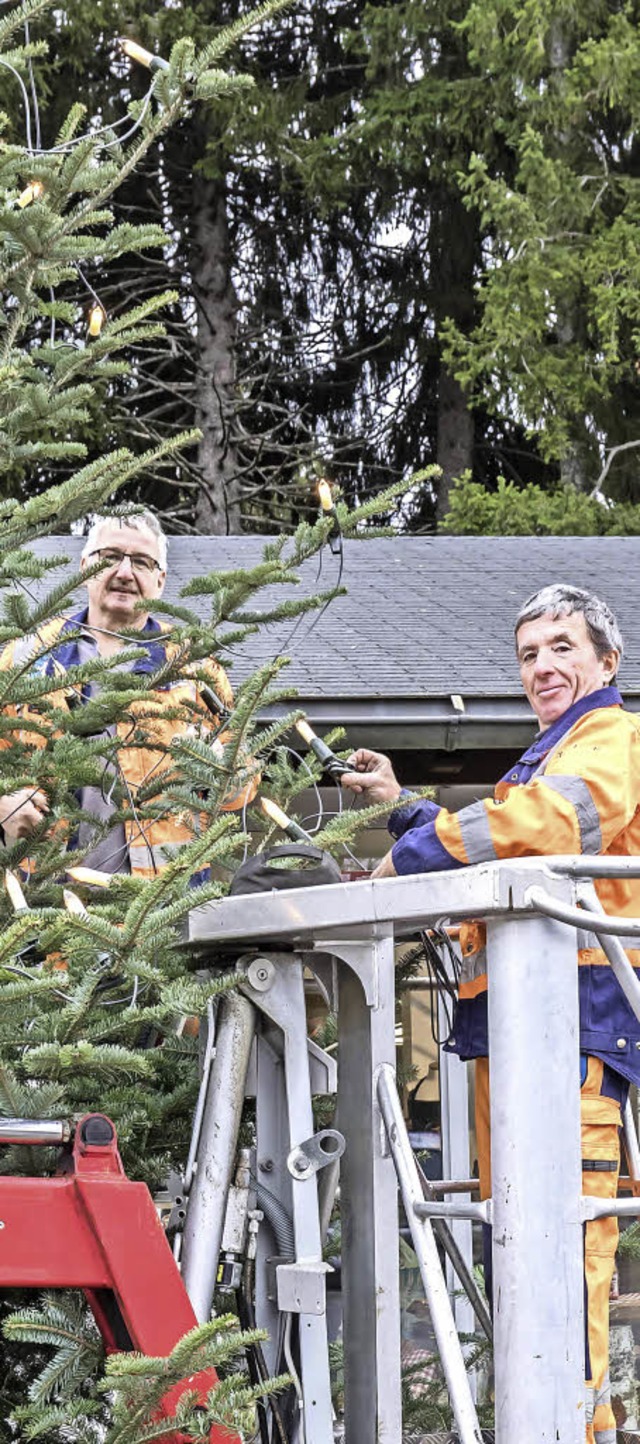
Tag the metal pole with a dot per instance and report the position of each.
(427, 1254)
(368, 1193)
(34, 1131)
(216, 1151)
(454, 1108)
(536, 1182)
(300, 1283)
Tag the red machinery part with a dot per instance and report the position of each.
(92, 1228)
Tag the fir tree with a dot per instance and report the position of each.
(87, 980)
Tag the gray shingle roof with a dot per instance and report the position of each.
(424, 617)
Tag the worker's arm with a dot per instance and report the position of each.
(372, 777)
(588, 795)
(415, 812)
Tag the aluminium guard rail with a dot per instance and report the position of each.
(346, 934)
(537, 1208)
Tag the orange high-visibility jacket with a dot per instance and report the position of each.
(145, 735)
(577, 790)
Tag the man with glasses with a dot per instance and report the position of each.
(133, 553)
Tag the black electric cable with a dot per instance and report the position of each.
(253, 1367)
(442, 985)
(246, 1293)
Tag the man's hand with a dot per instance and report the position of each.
(384, 868)
(371, 774)
(22, 812)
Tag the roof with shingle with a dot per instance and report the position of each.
(424, 617)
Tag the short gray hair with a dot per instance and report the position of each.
(561, 600)
(139, 521)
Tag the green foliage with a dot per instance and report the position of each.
(62, 1322)
(135, 1384)
(557, 326)
(531, 510)
(629, 1242)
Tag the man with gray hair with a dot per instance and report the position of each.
(575, 790)
(133, 554)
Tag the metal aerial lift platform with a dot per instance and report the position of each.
(345, 935)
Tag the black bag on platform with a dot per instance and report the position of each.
(262, 874)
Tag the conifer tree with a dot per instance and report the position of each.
(87, 981)
(556, 335)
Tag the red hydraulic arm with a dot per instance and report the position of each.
(92, 1228)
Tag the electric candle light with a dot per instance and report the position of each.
(143, 57)
(97, 318)
(73, 903)
(306, 732)
(325, 496)
(32, 193)
(16, 896)
(71, 698)
(275, 814)
(90, 877)
(322, 751)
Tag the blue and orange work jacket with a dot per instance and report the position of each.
(576, 790)
(144, 734)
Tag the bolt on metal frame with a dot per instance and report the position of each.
(533, 908)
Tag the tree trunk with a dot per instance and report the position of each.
(217, 511)
(452, 265)
(455, 436)
(574, 465)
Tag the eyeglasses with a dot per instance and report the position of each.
(114, 558)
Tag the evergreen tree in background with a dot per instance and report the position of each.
(556, 339)
(319, 243)
(412, 243)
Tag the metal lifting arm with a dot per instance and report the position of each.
(92, 1228)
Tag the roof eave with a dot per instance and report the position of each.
(429, 723)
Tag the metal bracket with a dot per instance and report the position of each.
(171, 1202)
(515, 882)
(362, 956)
(301, 1286)
(315, 1153)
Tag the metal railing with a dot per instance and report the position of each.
(533, 909)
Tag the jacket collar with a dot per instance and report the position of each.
(542, 744)
(527, 765)
(152, 656)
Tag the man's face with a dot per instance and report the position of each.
(559, 664)
(114, 592)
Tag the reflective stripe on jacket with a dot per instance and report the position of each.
(576, 791)
(145, 735)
